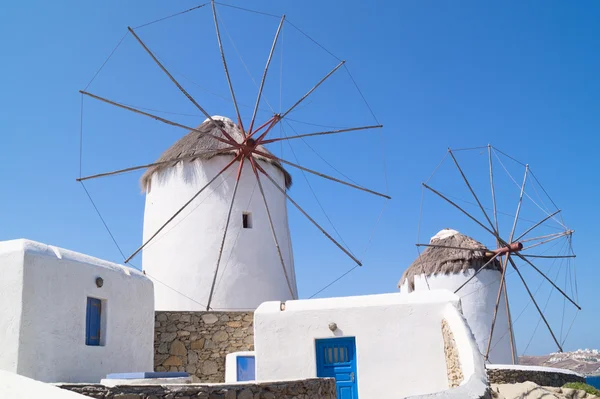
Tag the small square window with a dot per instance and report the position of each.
(247, 220)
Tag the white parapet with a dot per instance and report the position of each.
(48, 329)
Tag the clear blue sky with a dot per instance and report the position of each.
(521, 76)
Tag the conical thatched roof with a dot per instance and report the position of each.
(195, 143)
(435, 260)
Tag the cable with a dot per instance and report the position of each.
(105, 61)
(171, 16)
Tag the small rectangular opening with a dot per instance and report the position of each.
(247, 220)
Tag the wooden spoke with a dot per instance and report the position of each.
(500, 289)
(536, 305)
(548, 279)
(489, 262)
(161, 66)
(450, 247)
(535, 225)
(260, 168)
(549, 256)
(313, 89)
(270, 156)
(513, 350)
(276, 241)
(512, 233)
(473, 192)
(462, 210)
(181, 210)
(130, 169)
(320, 133)
(158, 118)
(264, 77)
(237, 182)
(546, 236)
(553, 237)
(237, 110)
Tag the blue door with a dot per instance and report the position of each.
(336, 357)
(93, 317)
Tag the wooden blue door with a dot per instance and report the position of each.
(92, 321)
(336, 358)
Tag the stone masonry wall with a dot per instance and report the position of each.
(315, 388)
(542, 378)
(197, 342)
(454, 371)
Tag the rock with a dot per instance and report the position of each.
(173, 361)
(183, 333)
(161, 317)
(192, 357)
(245, 394)
(178, 348)
(168, 337)
(209, 367)
(209, 318)
(220, 336)
(234, 324)
(197, 345)
(186, 318)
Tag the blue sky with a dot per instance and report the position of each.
(521, 76)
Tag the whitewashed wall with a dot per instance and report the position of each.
(231, 364)
(184, 255)
(399, 342)
(50, 331)
(478, 299)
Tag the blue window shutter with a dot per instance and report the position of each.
(92, 321)
(245, 368)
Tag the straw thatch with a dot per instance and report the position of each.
(197, 143)
(435, 260)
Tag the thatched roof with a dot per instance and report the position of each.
(435, 260)
(196, 143)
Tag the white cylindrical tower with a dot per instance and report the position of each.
(448, 268)
(182, 258)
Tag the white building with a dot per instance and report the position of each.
(183, 257)
(448, 268)
(68, 317)
(376, 346)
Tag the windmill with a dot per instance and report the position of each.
(532, 241)
(189, 279)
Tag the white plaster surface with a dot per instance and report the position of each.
(478, 299)
(183, 257)
(14, 386)
(399, 343)
(44, 330)
(231, 364)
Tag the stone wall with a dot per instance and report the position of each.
(197, 342)
(315, 388)
(540, 377)
(455, 374)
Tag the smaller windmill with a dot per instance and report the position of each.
(478, 272)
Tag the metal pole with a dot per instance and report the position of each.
(472, 192)
(262, 192)
(214, 10)
(116, 172)
(535, 225)
(462, 210)
(158, 118)
(266, 155)
(237, 182)
(181, 209)
(502, 281)
(536, 305)
(320, 133)
(178, 85)
(264, 77)
(313, 89)
(307, 216)
(550, 281)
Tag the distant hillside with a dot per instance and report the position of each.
(583, 361)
